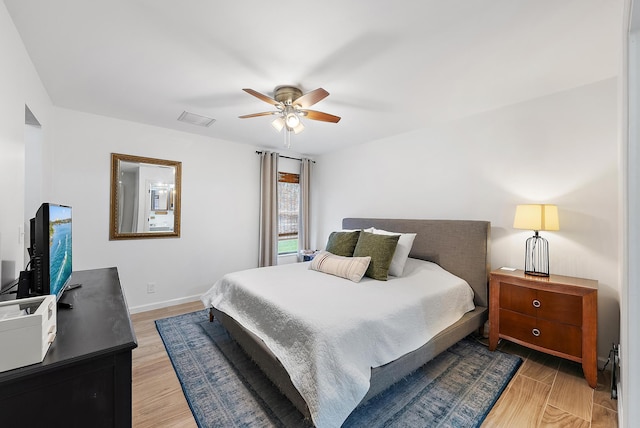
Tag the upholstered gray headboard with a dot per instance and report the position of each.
(459, 246)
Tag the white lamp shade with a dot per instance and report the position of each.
(536, 217)
(292, 120)
(278, 124)
(281, 122)
(298, 129)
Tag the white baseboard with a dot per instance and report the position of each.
(164, 304)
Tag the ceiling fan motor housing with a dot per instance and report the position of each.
(287, 94)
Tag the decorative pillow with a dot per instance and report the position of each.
(352, 268)
(380, 248)
(402, 250)
(342, 243)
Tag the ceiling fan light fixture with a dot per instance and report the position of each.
(278, 123)
(299, 128)
(292, 120)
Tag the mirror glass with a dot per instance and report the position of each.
(145, 197)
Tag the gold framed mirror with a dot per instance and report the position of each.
(145, 197)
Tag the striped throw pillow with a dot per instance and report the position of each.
(352, 268)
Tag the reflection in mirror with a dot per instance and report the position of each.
(145, 197)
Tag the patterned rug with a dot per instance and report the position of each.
(225, 388)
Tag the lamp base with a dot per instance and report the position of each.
(536, 256)
(541, 274)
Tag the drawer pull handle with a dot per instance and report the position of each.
(536, 303)
(535, 332)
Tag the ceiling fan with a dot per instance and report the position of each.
(291, 106)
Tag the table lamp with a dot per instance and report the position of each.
(536, 217)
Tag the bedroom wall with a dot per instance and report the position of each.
(560, 149)
(19, 85)
(220, 191)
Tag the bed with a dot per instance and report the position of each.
(456, 246)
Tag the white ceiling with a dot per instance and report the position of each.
(390, 67)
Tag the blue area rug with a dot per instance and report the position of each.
(225, 388)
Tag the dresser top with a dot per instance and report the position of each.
(551, 279)
(97, 325)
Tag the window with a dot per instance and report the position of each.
(288, 210)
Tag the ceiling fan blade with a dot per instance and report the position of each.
(310, 98)
(264, 113)
(263, 97)
(318, 115)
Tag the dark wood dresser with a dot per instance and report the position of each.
(557, 315)
(85, 378)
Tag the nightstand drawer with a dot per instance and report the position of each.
(562, 308)
(559, 337)
(517, 326)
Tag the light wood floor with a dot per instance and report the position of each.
(158, 400)
(551, 392)
(546, 391)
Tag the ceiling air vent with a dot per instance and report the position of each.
(195, 119)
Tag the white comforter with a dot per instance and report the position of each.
(328, 332)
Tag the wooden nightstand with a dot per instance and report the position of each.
(557, 315)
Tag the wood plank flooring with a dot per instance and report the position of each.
(158, 400)
(546, 392)
(551, 392)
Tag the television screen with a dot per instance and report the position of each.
(52, 249)
(59, 247)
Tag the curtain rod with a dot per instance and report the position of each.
(258, 152)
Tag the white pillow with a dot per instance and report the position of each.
(352, 268)
(402, 250)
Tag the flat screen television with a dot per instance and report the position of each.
(51, 249)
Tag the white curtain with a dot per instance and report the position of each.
(268, 209)
(304, 236)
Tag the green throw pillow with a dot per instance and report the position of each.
(342, 243)
(381, 249)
